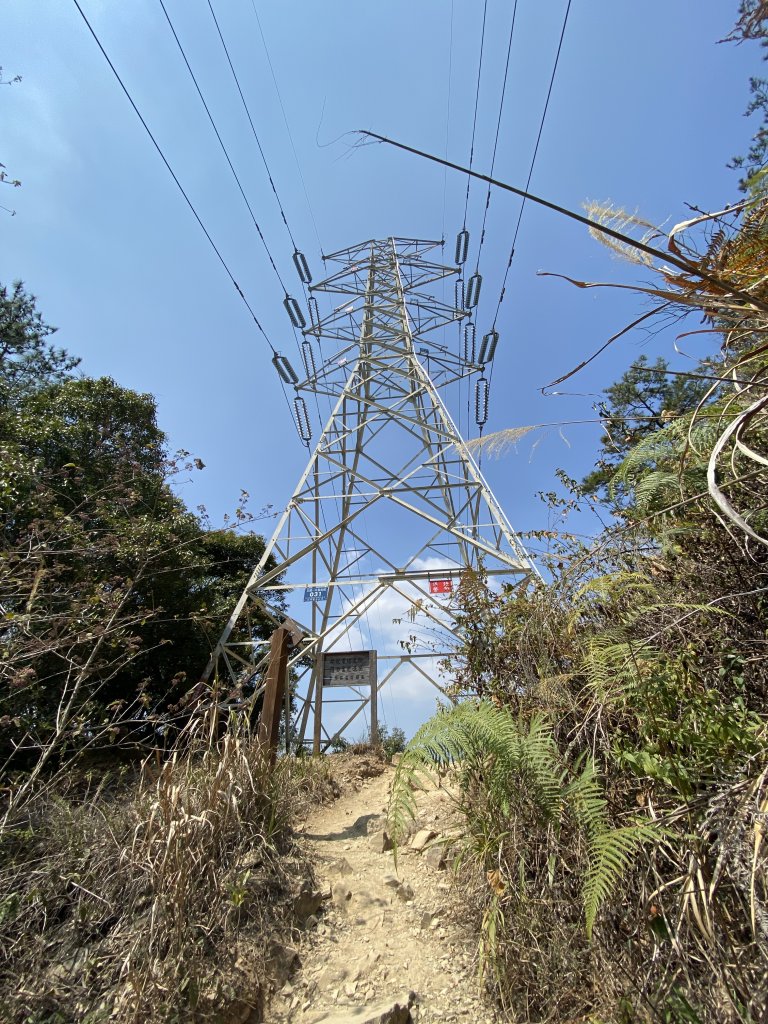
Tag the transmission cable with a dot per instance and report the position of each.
(488, 192)
(223, 147)
(496, 137)
(288, 128)
(237, 179)
(447, 121)
(533, 163)
(474, 118)
(173, 175)
(253, 127)
(301, 177)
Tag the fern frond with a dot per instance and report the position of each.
(610, 850)
(514, 758)
(661, 452)
(610, 855)
(616, 585)
(518, 759)
(658, 488)
(610, 663)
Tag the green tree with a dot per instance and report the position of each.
(27, 358)
(752, 24)
(641, 402)
(111, 590)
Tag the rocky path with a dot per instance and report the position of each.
(382, 947)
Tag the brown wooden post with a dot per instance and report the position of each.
(374, 680)
(319, 673)
(282, 640)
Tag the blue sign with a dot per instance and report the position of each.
(315, 593)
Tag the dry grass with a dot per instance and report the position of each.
(155, 899)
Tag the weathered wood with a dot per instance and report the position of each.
(318, 735)
(281, 642)
(373, 680)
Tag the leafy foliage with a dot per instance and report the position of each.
(26, 357)
(645, 651)
(753, 25)
(517, 763)
(638, 406)
(111, 591)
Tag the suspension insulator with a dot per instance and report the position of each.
(473, 290)
(293, 309)
(481, 401)
(308, 358)
(462, 247)
(488, 346)
(285, 370)
(469, 343)
(458, 294)
(302, 419)
(302, 267)
(314, 312)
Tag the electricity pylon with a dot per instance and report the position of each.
(391, 504)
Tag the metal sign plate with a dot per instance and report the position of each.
(350, 668)
(441, 586)
(315, 593)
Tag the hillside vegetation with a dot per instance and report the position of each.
(611, 729)
(608, 733)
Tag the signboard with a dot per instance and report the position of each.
(441, 586)
(315, 593)
(348, 668)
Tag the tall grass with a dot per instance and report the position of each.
(153, 898)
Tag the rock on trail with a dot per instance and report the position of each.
(384, 946)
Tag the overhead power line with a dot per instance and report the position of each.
(172, 173)
(474, 118)
(533, 164)
(498, 129)
(288, 128)
(253, 127)
(721, 284)
(448, 113)
(223, 147)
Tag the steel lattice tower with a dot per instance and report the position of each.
(391, 498)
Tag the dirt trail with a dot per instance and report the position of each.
(383, 934)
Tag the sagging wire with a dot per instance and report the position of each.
(288, 127)
(223, 147)
(496, 136)
(533, 163)
(173, 175)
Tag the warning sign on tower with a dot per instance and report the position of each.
(441, 586)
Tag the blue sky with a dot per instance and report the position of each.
(646, 111)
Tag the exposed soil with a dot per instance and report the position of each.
(384, 937)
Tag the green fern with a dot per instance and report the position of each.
(658, 489)
(475, 733)
(611, 663)
(610, 850)
(518, 758)
(614, 586)
(661, 452)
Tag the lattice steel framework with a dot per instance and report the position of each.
(391, 497)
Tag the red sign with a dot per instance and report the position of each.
(441, 586)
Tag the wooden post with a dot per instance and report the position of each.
(319, 673)
(374, 681)
(282, 640)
